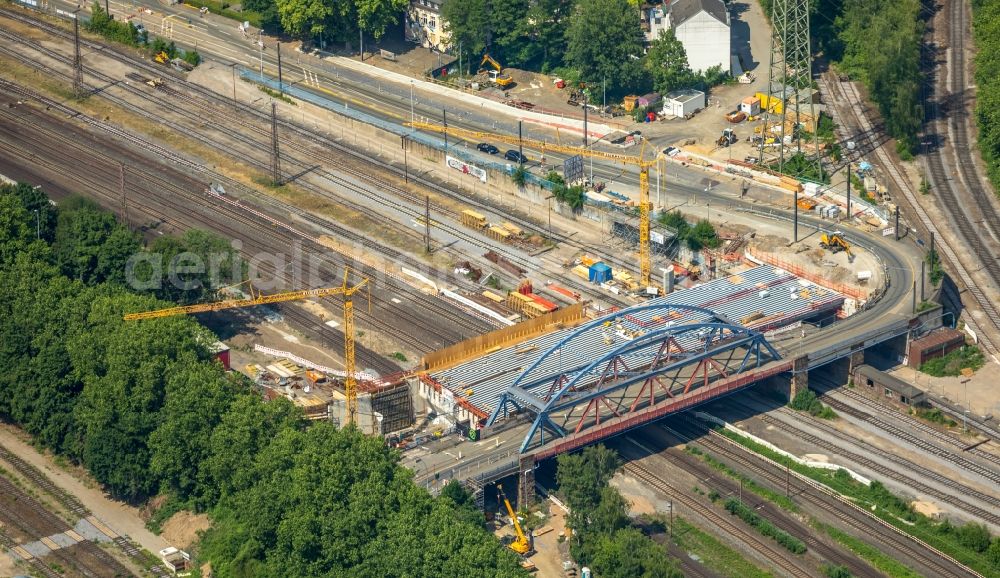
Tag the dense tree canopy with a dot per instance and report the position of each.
(146, 409)
(602, 534)
(604, 41)
(986, 22)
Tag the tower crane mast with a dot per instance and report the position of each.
(350, 381)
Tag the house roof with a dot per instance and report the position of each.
(893, 383)
(683, 10)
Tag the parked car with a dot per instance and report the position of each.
(514, 156)
(671, 151)
(487, 148)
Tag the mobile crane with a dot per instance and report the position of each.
(521, 544)
(350, 381)
(645, 207)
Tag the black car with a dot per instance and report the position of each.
(514, 156)
(487, 148)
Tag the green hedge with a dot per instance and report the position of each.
(765, 527)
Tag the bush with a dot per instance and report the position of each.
(192, 57)
(805, 400)
(952, 364)
(974, 537)
(766, 528)
(519, 176)
(837, 572)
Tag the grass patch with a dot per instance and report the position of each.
(925, 306)
(934, 415)
(952, 364)
(714, 554)
(965, 543)
(168, 509)
(398, 356)
(764, 526)
(276, 95)
(883, 563)
(805, 400)
(749, 483)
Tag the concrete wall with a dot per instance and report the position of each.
(706, 41)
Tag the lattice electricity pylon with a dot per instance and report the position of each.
(667, 362)
(789, 82)
(275, 153)
(77, 59)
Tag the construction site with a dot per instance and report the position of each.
(499, 289)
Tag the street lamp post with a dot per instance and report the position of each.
(38, 226)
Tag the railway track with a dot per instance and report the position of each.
(786, 521)
(432, 303)
(722, 522)
(951, 200)
(347, 159)
(457, 318)
(831, 445)
(72, 504)
(36, 565)
(862, 522)
(911, 422)
(989, 473)
(44, 523)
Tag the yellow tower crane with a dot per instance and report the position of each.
(350, 382)
(645, 207)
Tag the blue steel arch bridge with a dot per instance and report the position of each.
(624, 368)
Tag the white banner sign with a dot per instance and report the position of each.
(888, 231)
(466, 168)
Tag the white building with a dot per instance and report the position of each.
(684, 102)
(425, 26)
(654, 22)
(702, 26)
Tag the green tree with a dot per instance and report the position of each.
(197, 396)
(16, 229)
(468, 24)
(604, 41)
(318, 19)
(668, 64)
(375, 15)
(243, 432)
(703, 235)
(34, 200)
(89, 245)
(993, 553)
(543, 34)
(628, 553)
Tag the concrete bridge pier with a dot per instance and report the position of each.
(800, 376)
(526, 481)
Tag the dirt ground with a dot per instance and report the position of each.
(551, 553)
(834, 267)
(183, 528)
(979, 394)
(7, 565)
(119, 516)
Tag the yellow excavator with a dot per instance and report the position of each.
(521, 544)
(496, 75)
(835, 243)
